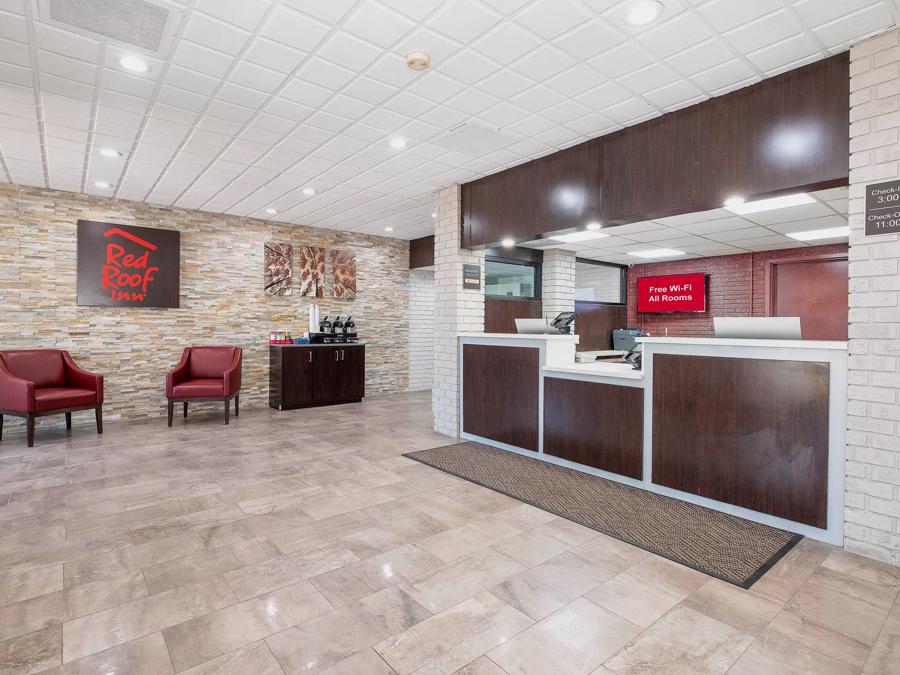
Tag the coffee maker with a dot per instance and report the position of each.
(350, 335)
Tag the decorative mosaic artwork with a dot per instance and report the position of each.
(343, 263)
(279, 272)
(312, 271)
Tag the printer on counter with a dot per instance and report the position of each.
(623, 338)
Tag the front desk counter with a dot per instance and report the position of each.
(755, 428)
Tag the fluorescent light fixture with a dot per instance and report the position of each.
(389, 229)
(643, 12)
(770, 204)
(594, 226)
(308, 191)
(271, 211)
(508, 243)
(579, 236)
(735, 200)
(657, 253)
(398, 142)
(826, 233)
(109, 152)
(101, 184)
(134, 63)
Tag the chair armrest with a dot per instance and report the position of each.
(81, 378)
(16, 394)
(179, 373)
(233, 376)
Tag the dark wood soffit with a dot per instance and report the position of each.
(785, 133)
(421, 252)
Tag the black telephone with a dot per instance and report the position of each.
(635, 356)
(563, 322)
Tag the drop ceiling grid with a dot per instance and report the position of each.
(204, 149)
(699, 237)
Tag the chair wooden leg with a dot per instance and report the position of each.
(98, 415)
(185, 409)
(29, 426)
(237, 405)
(227, 409)
(171, 410)
(69, 421)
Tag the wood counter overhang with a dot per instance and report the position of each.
(755, 428)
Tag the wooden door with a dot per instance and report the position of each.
(352, 384)
(816, 289)
(326, 373)
(297, 376)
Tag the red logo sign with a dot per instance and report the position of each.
(672, 293)
(126, 276)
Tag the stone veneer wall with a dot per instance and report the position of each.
(421, 329)
(456, 310)
(222, 299)
(872, 508)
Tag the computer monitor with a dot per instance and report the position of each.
(758, 327)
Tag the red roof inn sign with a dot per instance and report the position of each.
(127, 266)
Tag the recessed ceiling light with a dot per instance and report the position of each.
(109, 152)
(308, 191)
(642, 12)
(398, 142)
(271, 211)
(579, 236)
(508, 243)
(769, 204)
(826, 233)
(735, 200)
(389, 229)
(418, 60)
(134, 63)
(593, 226)
(434, 214)
(657, 253)
(101, 184)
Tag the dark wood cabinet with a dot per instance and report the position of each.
(303, 376)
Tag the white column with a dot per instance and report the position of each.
(872, 505)
(455, 310)
(558, 282)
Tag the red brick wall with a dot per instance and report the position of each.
(736, 287)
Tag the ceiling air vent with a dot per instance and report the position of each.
(136, 23)
(473, 139)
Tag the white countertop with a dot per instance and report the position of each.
(520, 336)
(621, 370)
(741, 342)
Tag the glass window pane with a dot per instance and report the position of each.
(598, 283)
(509, 279)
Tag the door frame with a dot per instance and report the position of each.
(771, 276)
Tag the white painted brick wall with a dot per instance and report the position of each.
(558, 282)
(421, 329)
(872, 506)
(455, 310)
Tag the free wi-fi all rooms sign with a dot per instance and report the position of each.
(883, 207)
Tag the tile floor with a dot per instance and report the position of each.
(303, 542)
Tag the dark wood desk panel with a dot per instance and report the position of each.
(500, 314)
(500, 393)
(748, 432)
(598, 425)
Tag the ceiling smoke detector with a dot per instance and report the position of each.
(418, 60)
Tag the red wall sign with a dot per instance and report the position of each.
(672, 293)
(127, 266)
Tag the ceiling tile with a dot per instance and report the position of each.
(463, 20)
(727, 14)
(550, 18)
(591, 39)
(378, 24)
(294, 29)
(506, 43)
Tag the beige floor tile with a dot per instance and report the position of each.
(855, 566)
(789, 574)
(571, 641)
(372, 541)
(322, 533)
(481, 666)
(324, 642)
(366, 662)
(32, 615)
(145, 656)
(96, 632)
(462, 578)
(32, 652)
(531, 547)
(683, 642)
(632, 597)
(206, 637)
(543, 589)
(15, 587)
(457, 542)
(255, 659)
(453, 638)
(830, 608)
(98, 595)
(611, 553)
(747, 612)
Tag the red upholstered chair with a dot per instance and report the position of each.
(206, 374)
(38, 382)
